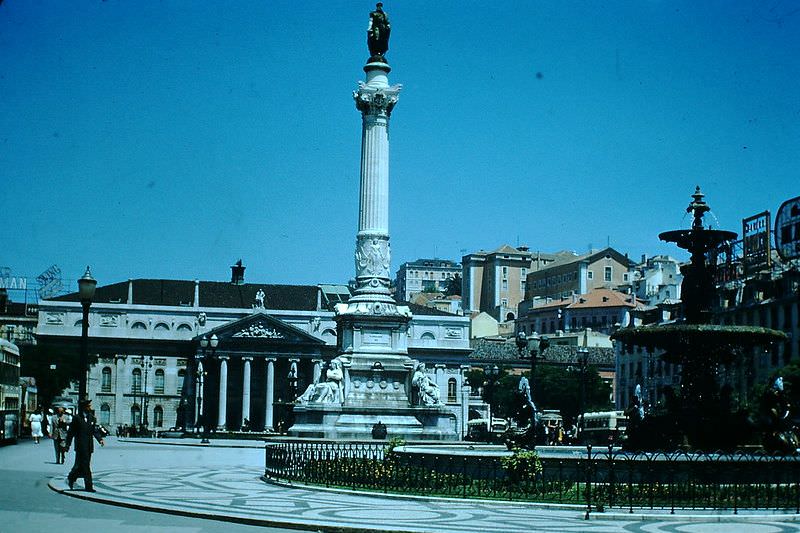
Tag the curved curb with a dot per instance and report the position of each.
(59, 486)
(197, 444)
(416, 497)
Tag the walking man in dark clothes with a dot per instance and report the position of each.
(82, 430)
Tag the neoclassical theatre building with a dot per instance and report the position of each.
(272, 341)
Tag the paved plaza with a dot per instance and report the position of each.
(218, 488)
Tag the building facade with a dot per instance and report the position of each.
(272, 340)
(602, 310)
(495, 282)
(424, 275)
(570, 273)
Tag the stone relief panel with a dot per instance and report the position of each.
(260, 330)
(54, 319)
(453, 333)
(373, 257)
(109, 320)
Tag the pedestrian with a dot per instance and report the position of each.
(58, 431)
(82, 430)
(36, 425)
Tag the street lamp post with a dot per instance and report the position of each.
(205, 343)
(86, 287)
(583, 365)
(491, 373)
(146, 364)
(536, 347)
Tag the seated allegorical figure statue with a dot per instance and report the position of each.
(331, 390)
(427, 389)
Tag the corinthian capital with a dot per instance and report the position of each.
(376, 101)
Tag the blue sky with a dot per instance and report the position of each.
(168, 139)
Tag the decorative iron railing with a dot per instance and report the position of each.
(595, 479)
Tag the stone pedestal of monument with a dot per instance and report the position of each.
(377, 382)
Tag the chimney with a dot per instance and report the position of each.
(644, 258)
(523, 248)
(196, 302)
(237, 273)
(130, 291)
(3, 300)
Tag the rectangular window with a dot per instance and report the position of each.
(590, 274)
(451, 391)
(505, 285)
(607, 273)
(625, 277)
(504, 302)
(505, 272)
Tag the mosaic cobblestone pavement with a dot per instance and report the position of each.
(238, 493)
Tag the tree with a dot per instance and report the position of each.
(453, 286)
(52, 369)
(555, 387)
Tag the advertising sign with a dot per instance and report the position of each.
(787, 229)
(756, 252)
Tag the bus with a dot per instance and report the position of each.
(10, 392)
(603, 427)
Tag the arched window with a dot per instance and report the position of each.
(158, 384)
(158, 416)
(181, 379)
(105, 382)
(79, 323)
(328, 333)
(184, 327)
(136, 382)
(136, 415)
(451, 390)
(161, 327)
(105, 414)
(138, 325)
(428, 339)
(510, 316)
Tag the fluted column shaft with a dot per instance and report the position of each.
(246, 389)
(269, 415)
(223, 393)
(375, 99)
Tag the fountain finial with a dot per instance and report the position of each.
(699, 207)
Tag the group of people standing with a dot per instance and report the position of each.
(65, 429)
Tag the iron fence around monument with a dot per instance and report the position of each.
(596, 479)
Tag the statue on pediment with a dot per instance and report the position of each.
(260, 299)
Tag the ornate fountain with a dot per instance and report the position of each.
(699, 413)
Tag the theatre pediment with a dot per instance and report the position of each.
(262, 327)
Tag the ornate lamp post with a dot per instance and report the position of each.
(491, 373)
(202, 417)
(86, 287)
(146, 364)
(536, 346)
(583, 365)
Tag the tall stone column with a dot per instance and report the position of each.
(119, 390)
(441, 381)
(223, 392)
(246, 389)
(269, 407)
(375, 99)
(317, 369)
